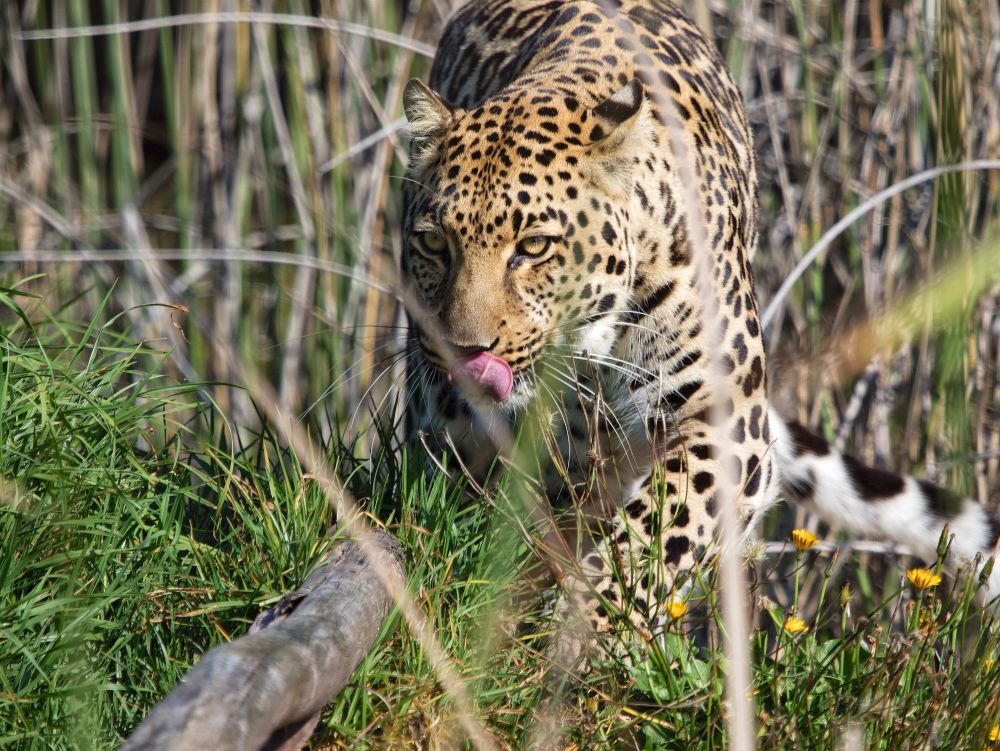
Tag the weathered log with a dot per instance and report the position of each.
(266, 689)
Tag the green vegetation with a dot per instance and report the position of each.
(131, 545)
(213, 173)
(124, 553)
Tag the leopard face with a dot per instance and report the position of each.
(518, 239)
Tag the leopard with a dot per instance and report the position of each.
(580, 220)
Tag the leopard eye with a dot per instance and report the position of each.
(534, 247)
(431, 242)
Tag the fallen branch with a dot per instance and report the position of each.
(266, 689)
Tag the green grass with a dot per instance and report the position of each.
(131, 546)
(124, 552)
(148, 511)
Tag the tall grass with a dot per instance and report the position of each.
(176, 169)
(120, 546)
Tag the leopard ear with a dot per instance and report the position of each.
(425, 111)
(620, 130)
(618, 113)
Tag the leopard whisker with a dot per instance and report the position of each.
(617, 364)
(364, 397)
(560, 407)
(604, 408)
(354, 371)
(397, 389)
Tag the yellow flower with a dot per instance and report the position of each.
(676, 609)
(923, 578)
(795, 625)
(995, 734)
(803, 539)
(988, 664)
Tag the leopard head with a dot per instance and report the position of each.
(516, 231)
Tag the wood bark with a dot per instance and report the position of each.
(266, 689)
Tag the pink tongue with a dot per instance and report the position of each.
(489, 371)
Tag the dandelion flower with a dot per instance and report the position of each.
(988, 664)
(795, 625)
(676, 609)
(923, 578)
(995, 734)
(803, 539)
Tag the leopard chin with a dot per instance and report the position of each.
(522, 394)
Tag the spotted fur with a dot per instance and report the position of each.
(546, 222)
